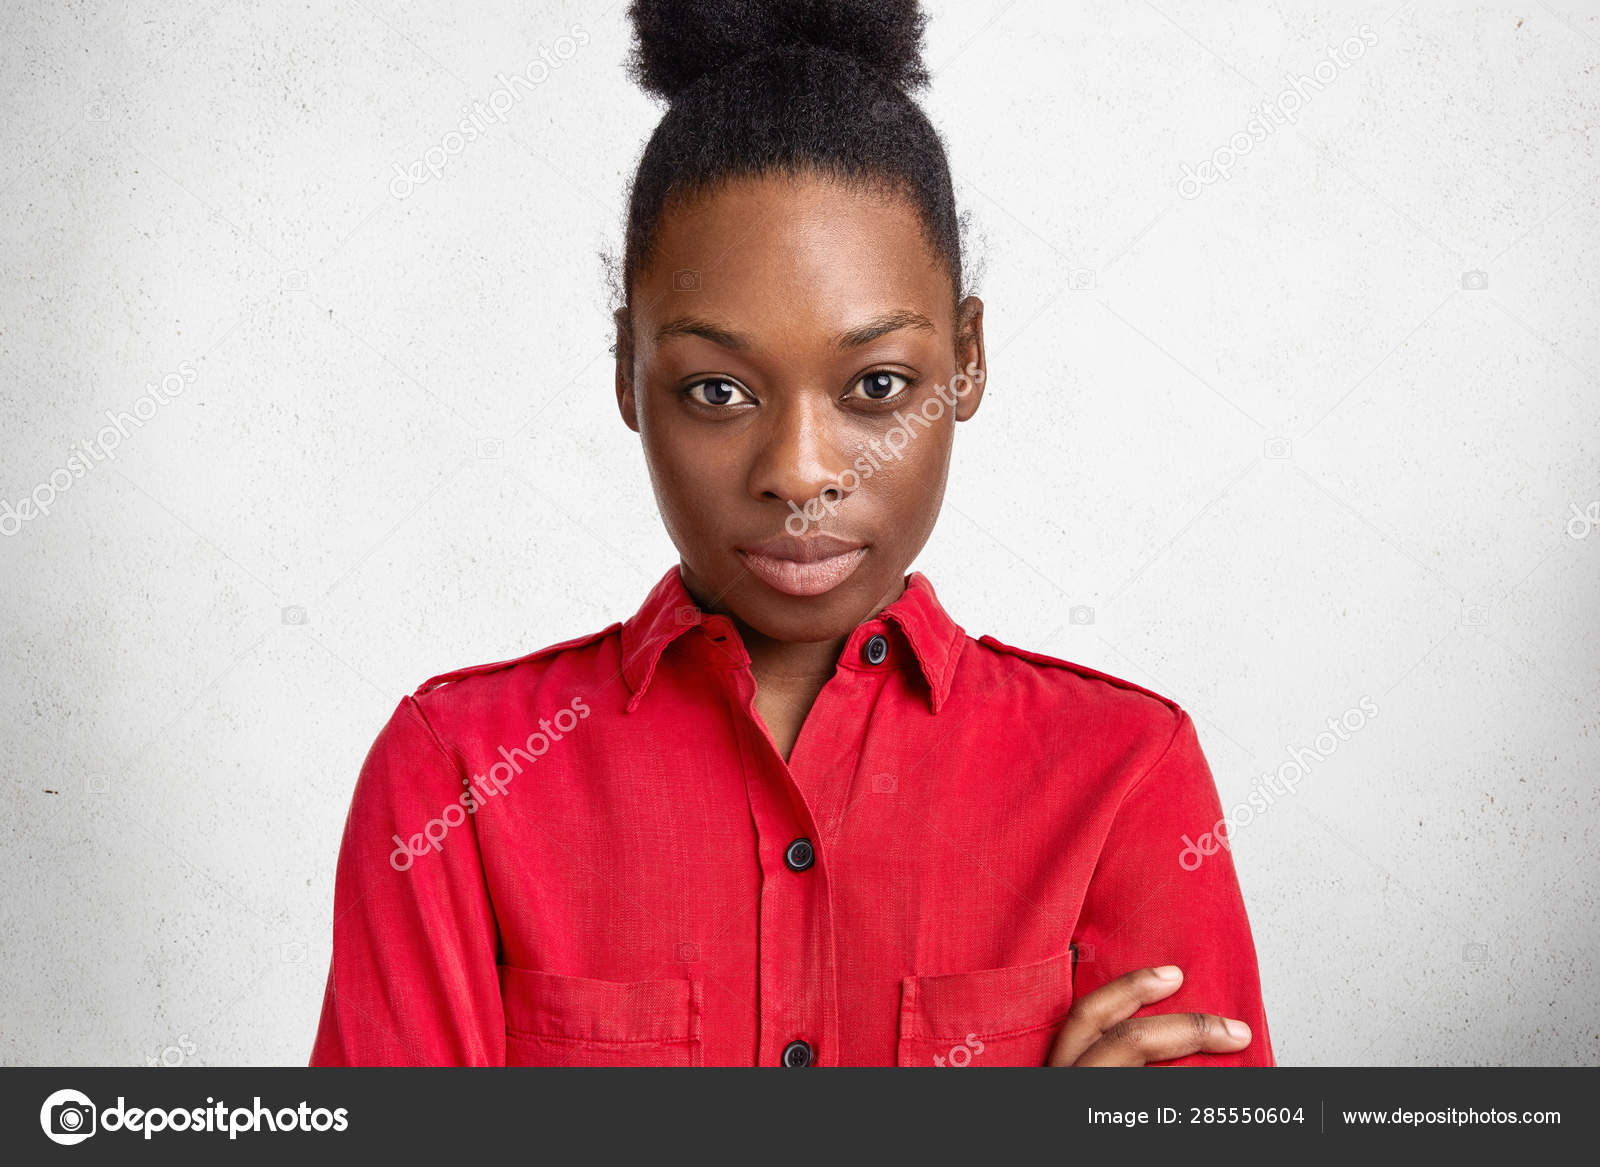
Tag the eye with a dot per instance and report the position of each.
(880, 386)
(717, 391)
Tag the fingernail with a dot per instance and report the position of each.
(1168, 972)
(1236, 1029)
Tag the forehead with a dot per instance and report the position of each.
(806, 249)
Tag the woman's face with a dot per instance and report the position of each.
(789, 345)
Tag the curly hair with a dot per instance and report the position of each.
(791, 86)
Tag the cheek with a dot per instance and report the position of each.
(692, 473)
(910, 458)
(910, 487)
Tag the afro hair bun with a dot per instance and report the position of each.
(677, 42)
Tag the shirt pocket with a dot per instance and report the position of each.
(989, 1017)
(557, 1020)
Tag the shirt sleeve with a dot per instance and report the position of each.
(413, 977)
(1152, 901)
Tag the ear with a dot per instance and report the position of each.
(623, 350)
(969, 356)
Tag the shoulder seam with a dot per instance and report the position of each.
(1081, 670)
(1156, 765)
(433, 734)
(433, 683)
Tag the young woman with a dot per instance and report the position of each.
(789, 813)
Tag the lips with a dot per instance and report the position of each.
(803, 566)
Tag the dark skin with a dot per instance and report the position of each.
(814, 313)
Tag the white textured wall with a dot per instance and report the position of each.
(1265, 433)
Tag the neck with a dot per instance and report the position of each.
(799, 667)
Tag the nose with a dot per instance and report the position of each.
(797, 459)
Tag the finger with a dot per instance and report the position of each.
(1138, 1041)
(1094, 1013)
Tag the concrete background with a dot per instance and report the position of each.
(1275, 436)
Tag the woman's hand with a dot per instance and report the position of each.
(1102, 1031)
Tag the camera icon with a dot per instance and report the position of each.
(885, 784)
(97, 784)
(687, 615)
(72, 1118)
(67, 1117)
(294, 952)
(97, 111)
(1082, 279)
(686, 281)
(294, 281)
(1474, 953)
(1476, 280)
(491, 447)
(1080, 614)
(884, 111)
(294, 614)
(1474, 615)
(687, 951)
(1083, 953)
(1276, 449)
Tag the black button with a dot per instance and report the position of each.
(796, 1054)
(875, 650)
(800, 855)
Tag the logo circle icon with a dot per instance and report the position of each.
(68, 1117)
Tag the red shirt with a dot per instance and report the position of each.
(589, 856)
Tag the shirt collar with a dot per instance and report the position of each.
(669, 611)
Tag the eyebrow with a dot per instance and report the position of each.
(853, 338)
